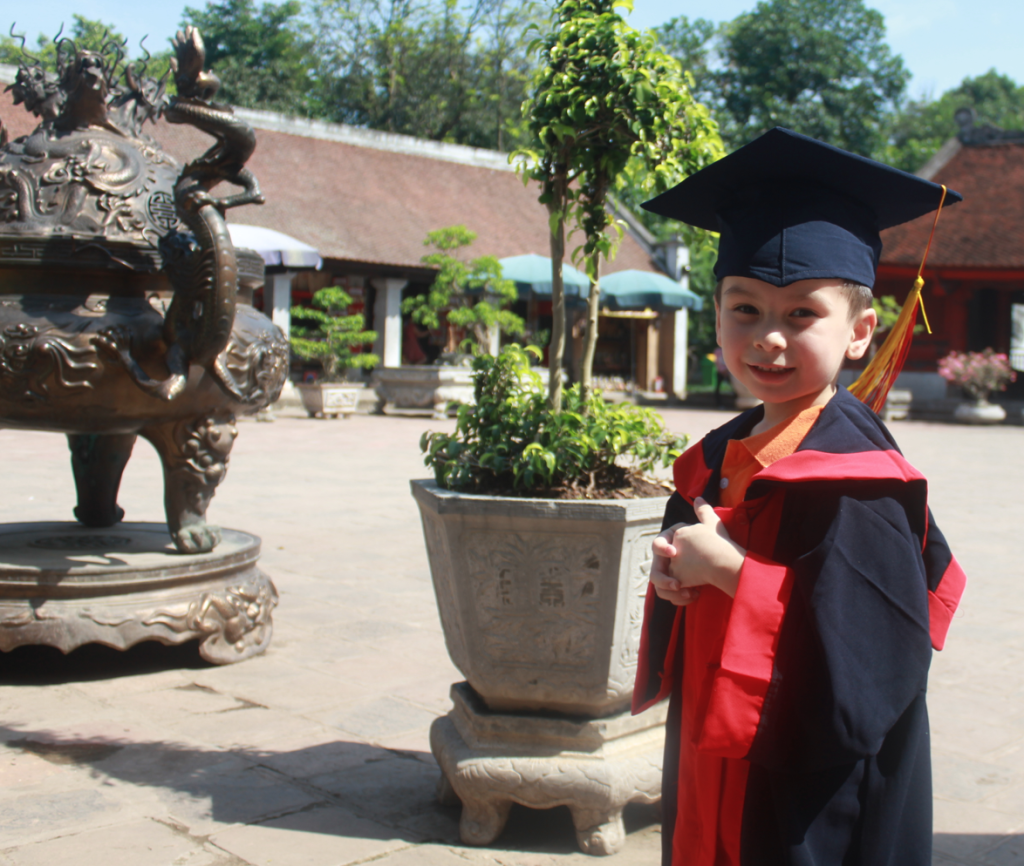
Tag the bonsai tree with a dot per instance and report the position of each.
(606, 99)
(333, 335)
(473, 294)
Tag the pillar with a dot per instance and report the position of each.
(679, 353)
(387, 320)
(281, 301)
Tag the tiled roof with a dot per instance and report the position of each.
(986, 230)
(370, 197)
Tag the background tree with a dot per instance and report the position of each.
(820, 67)
(922, 126)
(429, 68)
(606, 95)
(260, 54)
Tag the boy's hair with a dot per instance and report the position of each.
(858, 297)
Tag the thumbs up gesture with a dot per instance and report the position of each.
(689, 556)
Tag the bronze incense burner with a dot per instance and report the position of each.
(124, 308)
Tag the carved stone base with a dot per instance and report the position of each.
(65, 585)
(595, 767)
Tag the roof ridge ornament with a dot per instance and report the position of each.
(983, 134)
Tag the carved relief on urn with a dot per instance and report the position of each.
(124, 308)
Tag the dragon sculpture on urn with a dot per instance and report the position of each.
(125, 310)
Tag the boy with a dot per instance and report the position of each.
(800, 584)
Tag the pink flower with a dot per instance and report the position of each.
(978, 373)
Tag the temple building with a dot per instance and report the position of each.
(974, 278)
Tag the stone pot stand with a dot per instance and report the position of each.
(594, 766)
(541, 603)
(64, 585)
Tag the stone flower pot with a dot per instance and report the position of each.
(541, 601)
(329, 399)
(422, 387)
(980, 412)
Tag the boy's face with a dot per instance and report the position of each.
(787, 344)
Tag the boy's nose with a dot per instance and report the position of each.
(770, 339)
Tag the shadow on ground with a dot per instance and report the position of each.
(360, 790)
(48, 666)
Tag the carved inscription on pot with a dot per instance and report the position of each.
(537, 597)
(623, 673)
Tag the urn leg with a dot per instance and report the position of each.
(599, 833)
(195, 459)
(98, 462)
(483, 820)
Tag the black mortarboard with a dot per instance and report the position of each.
(790, 208)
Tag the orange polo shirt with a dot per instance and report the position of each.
(744, 458)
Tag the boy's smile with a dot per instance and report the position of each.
(787, 344)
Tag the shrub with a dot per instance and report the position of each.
(511, 443)
(978, 373)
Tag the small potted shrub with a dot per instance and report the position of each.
(467, 301)
(978, 374)
(332, 337)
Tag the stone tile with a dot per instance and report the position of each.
(140, 843)
(435, 855)
(397, 791)
(966, 830)
(1009, 852)
(327, 836)
(959, 778)
(48, 812)
(248, 728)
(205, 803)
(379, 719)
(280, 686)
(321, 751)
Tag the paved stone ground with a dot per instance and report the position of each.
(316, 753)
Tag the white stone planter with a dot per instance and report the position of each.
(980, 412)
(541, 601)
(416, 387)
(329, 399)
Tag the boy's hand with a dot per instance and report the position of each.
(704, 553)
(666, 586)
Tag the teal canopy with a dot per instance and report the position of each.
(532, 273)
(640, 290)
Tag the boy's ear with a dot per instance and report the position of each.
(863, 330)
(718, 323)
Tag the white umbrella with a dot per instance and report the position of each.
(275, 247)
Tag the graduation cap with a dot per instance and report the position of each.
(789, 207)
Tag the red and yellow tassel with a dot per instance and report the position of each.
(874, 383)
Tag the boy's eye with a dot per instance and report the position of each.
(748, 309)
(803, 312)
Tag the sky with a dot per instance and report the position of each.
(941, 41)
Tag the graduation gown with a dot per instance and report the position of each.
(797, 730)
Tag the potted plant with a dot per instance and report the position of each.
(538, 525)
(467, 300)
(978, 374)
(333, 338)
(538, 543)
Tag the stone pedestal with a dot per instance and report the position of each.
(414, 387)
(490, 760)
(64, 585)
(330, 399)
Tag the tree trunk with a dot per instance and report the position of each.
(556, 349)
(590, 337)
